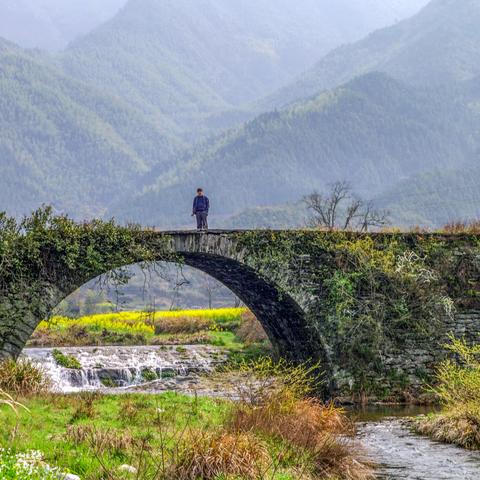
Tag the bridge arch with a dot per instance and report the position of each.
(216, 254)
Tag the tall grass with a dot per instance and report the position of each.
(458, 389)
(276, 403)
(250, 330)
(8, 401)
(459, 227)
(23, 378)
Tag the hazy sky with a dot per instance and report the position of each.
(51, 24)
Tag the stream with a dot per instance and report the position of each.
(122, 369)
(386, 434)
(383, 431)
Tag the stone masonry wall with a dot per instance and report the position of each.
(410, 367)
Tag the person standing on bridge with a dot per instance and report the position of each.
(201, 206)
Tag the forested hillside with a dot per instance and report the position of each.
(435, 198)
(372, 132)
(195, 59)
(439, 45)
(64, 143)
(164, 97)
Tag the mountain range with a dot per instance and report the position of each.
(247, 99)
(440, 45)
(373, 132)
(66, 143)
(199, 60)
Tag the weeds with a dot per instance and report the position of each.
(101, 441)
(23, 378)
(281, 409)
(85, 406)
(458, 388)
(9, 401)
(220, 454)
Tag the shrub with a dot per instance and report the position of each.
(459, 382)
(23, 378)
(100, 441)
(250, 330)
(186, 325)
(256, 381)
(149, 375)
(209, 456)
(458, 388)
(66, 361)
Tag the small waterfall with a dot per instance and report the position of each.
(117, 368)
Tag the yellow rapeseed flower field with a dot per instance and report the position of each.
(141, 322)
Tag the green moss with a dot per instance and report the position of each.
(108, 383)
(149, 375)
(370, 292)
(66, 361)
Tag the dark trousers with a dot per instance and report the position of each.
(202, 220)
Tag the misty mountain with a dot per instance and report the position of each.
(101, 128)
(193, 59)
(372, 132)
(64, 143)
(52, 24)
(439, 45)
(435, 198)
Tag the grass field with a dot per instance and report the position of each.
(280, 436)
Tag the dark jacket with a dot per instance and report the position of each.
(201, 204)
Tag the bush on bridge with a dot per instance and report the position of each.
(369, 291)
(45, 257)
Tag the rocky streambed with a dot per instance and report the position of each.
(141, 369)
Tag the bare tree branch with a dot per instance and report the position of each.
(340, 209)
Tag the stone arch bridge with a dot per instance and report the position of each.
(285, 278)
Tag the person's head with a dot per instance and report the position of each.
(199, 192)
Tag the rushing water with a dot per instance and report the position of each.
(402, 455)
(127, 367)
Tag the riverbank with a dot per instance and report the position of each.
(458, 390)
(272, 430)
